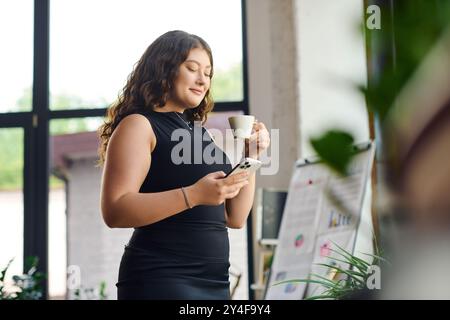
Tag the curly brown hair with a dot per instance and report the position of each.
(151, 82)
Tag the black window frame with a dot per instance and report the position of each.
(35, 124)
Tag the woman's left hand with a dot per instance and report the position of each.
(258, 141)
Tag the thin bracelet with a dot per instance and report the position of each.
(186, 198)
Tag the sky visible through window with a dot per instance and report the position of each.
(94, 45)
(16, 54)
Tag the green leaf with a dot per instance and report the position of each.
(307, 281)
(357, 265)
(338, 269)
(323, 278)
(102, 291)
(352, 261)
(349, 254)
(335, 148)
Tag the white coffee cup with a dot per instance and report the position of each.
(241, 125)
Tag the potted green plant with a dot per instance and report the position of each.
(339, 282)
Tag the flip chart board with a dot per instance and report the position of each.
(321, 208)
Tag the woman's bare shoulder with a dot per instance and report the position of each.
(137, 124)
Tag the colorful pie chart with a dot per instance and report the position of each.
(299, 241)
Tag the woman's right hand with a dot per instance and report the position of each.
(213, 189)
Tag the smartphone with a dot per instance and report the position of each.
(246, 164)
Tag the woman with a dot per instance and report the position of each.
(179, 248)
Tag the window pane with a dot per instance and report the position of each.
(11, 201)
(74, 125)
(57, 241)
(85, 246)
(69, 138)
(90, 61)
(16, 55)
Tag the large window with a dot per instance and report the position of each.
(94, 45)
(65, 62)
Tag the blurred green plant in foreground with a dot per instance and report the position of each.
(407, 35)
(26, 286)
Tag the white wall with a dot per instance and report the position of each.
(332, 61)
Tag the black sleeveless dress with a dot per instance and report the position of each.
(185, 256)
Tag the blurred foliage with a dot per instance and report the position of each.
(398, 47)
(26, 286)
(227, 85)
(65, 101)
(416, 27)
(11, 158)
(67, 126)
